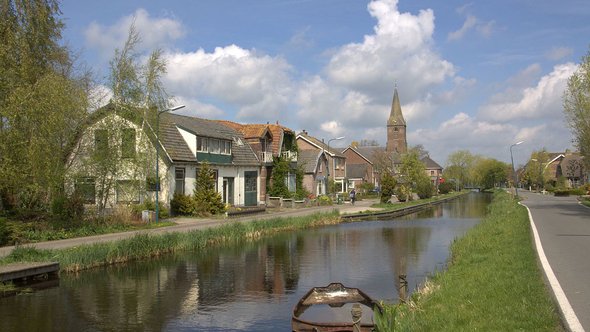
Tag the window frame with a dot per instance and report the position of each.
(178, 180)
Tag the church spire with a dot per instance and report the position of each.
(396, 118)
(396, 127)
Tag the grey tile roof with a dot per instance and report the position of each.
(309, 159)
(369, 151)
(333, 150)
(178, 150)
(356, 171)
(430, 164)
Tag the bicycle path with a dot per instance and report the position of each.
(562, 229)
(189, 224)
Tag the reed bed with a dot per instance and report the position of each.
(144, 246)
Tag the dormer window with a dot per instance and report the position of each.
(213, 145)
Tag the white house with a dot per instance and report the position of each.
(113, 159)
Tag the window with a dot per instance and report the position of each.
(179, 180)
(339, 163)
(128, 143)
(101, 141)
(214, 146)
(202, 144)
(226, 147)
(291, 182)
(431, 172)
(86, 188)
(127, 191)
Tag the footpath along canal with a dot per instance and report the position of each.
(250, 286)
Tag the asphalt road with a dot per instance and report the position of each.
(563, 227)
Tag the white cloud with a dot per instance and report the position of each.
(469, 23)
(558, 53)
(540, 101)
(484, 29)
(399, 50)
(154, 33)
(257, 86)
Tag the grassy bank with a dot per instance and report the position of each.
(493, 282)
(146, 246)
(401, 205)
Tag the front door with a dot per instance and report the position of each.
(228, 191)
(250, 188)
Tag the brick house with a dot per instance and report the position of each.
(336, 160)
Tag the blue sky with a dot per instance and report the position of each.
(477, 75)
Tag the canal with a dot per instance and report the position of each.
(249, 287)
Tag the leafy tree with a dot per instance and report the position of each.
(280, 171)
(491, 172)
(576, 106)
(460, 166)
(534, 172)
(420, 151)
(424, 188)
(207, 199)
(388, 184)
(301, 192)
(41, 102)
(138, 93)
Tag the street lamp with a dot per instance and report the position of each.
(333, 166)
(513, 171)
(158, 156)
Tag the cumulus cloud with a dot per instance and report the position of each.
(540, 101)
(355, 88)
(154, 33)
(400, 48)
(258, 86)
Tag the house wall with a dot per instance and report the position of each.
(353, 158)
(81, 163)
(229, 171)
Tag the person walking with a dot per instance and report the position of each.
(352, 196)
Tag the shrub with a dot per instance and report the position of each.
(3, 232)
(424, 188)
(446, 187)
(324, 200)
(182, 205)
(67, 211)
(578, 191)
(561, 192)
(388, 184)
(403, 193)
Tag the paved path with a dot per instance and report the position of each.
(563, 227)
(188, 224)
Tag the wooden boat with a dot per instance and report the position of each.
(334, 295)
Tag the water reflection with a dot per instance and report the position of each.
(251, 286)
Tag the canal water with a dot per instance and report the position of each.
(253, 286)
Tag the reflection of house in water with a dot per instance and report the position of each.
(261, 270)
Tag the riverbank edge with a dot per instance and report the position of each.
(144, 246)
(404, 210)
(493, 282)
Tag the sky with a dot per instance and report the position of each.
(471, 75)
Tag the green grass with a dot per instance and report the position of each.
(493, 282)
(145, 246)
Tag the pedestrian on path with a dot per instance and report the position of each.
(352, 196)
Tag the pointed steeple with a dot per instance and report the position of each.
(396, 128)
(396, 118)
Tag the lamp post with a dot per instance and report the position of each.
(513, 171)
(158, 156)
(333, 166)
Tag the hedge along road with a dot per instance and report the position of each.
(189, 224)
(562, 236)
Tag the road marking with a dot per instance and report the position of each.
(564, 305)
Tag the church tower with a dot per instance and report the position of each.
(396, 128)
